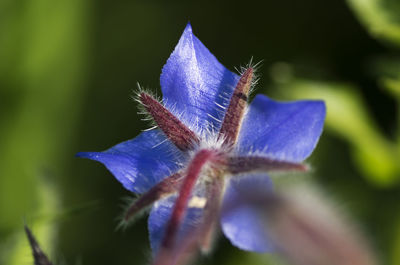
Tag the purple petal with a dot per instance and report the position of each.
(282, 130)
(140, 163)
(242, 223)
(193, 82)
(159, 217)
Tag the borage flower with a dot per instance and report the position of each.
(209, 145)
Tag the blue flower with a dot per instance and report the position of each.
(209, 146)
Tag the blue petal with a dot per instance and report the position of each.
(140, 163)
(193, 81)
(282, 130)
(243, 224)
(159, 217)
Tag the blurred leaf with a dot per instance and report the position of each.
(387, 70)
(240, 257)
(43, 229)
(380, 17)
(396, 244)
(348, 117)
(41, 74)
(392, 85)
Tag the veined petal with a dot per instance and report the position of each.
(142, 162)
(159, 217)
(194, 83)
(282, 130)
(242, 223)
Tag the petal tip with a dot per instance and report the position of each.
(188, 27)
(187, 32)
(84, 155)
(321, 104)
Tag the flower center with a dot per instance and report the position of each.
(208, 164)
(196, 166)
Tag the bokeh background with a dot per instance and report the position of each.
(67, 71)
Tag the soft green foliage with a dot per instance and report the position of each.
(396, 244)
(388, 74)
(42, 50)
(380, 17)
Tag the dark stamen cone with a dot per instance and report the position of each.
(236, 109)
(39, 257)
(173, 128)
(165, 187)
(245, 164)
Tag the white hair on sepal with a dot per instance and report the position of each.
(172, 108)
(250, 152)
(197, 127)
(173, 153)
(221, 114)
(256, 66)
(210, 141)
(265, 153)
(142, 108)
(127, 201)
(150, 129)
(225, 98)
(160, 143)
(140, 90)
(214, 118)
(220, 106)
(192, 124)
(208, 131)
(256, 76)
(211, 128)
(179, 164)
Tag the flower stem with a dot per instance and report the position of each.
(189, 182)
(166, 252)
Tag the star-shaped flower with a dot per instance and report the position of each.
(208, 147)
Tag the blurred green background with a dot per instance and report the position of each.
(67, 71)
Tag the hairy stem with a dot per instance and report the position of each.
(245, 164)
(167, 250)
(173, 128)
(236, 109)
(163, 188)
